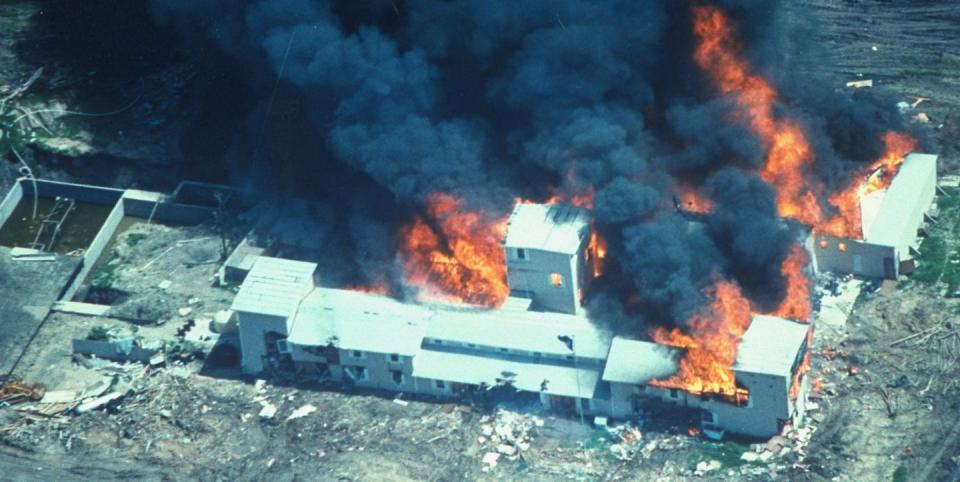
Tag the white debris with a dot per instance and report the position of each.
(268, 410)
(750, 457)
(706, 467)
(506, 449)
(490, 460)
(302, 412)
(402, 403)
(186, 310)
(260, 385)
(165, 284)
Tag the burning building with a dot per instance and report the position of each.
(539, 343)
(883, 244)
(543, 251)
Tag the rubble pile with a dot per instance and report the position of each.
(506, 434)
(630, 440)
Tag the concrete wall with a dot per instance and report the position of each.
(80, 192)
(252, 328)
(533, 275)
(93, 252)
(859, 258)
(167, 212)
(10, 202)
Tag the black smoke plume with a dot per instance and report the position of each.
(494, 99)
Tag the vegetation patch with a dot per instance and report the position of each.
(727, 453)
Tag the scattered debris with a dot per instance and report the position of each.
(859, 84)
(300, 412)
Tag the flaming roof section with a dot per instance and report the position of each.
(274, 286)
(770, 346)
(892, 224)
(557, 228)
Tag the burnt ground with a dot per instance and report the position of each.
(887, 380)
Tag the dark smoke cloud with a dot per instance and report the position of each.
(492, 99)
(745, 227)
(670, 261)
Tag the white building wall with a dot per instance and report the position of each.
(253, 327)
(767, 409)
(533, 275)
(842, 255)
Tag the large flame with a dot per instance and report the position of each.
(796, 305)
(876, 177)
(796, 380)
(596, 253)
(788, 150)
(711, 342)
(464, 261)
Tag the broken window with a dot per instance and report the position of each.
(842, 247)
(521, 254)
(674, 393)
(397, 376)
(585, 403)
(394, 357)
(824, 244)
(356, 373)
(283, 347)
(709, 417)
(357, 354)
(556, 279)
(440, 384)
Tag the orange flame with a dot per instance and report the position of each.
(877, 177)
(789, 151)
(797, 304)
(711, 345)
(596, 252)
(464, 262)
(378, 287)
(804, 367)
(693, 201)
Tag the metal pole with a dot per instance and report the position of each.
(576, 370)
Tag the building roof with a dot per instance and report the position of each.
(274, 286)
(461, 367)
(549, 227)
(894, 218)
(638, 362)
(353, 320)
(529, 331)
(770, 346)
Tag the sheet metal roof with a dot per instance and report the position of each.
(520, 330)
(890, 226)
(359, 321)
(637, 362)
(770, 346)
(527, 376)
(549, 227)
(274, 286)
